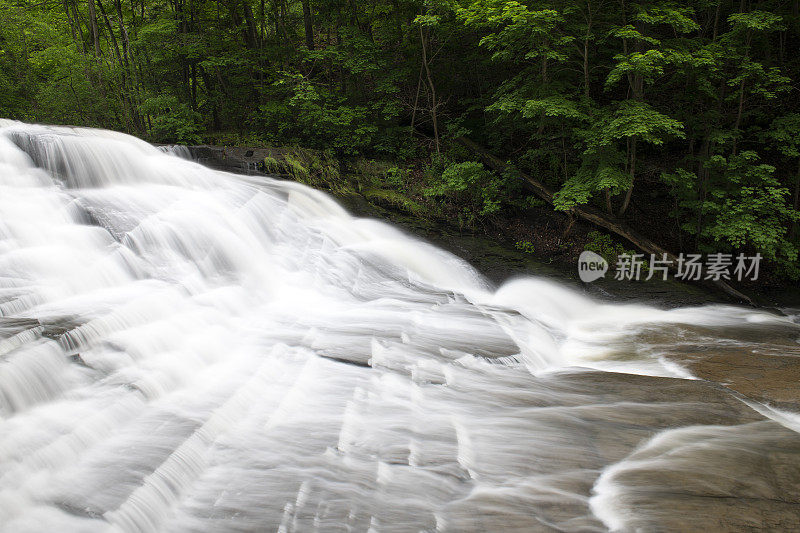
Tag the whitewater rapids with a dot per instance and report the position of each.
(183, 349)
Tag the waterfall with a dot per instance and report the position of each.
(183, 349)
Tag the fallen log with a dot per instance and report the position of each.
(596, 217)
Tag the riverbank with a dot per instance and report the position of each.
(770, 378)
(538, 241)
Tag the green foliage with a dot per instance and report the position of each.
(296, 167)
(603, 245)
(470, 184)
(395, 200)
(756, 20)
(525, 246)
(272, 165)
(554, 106)
(312, 167)
(319, 116)
(746, 208)
(785, 133)
(396, 177)
(599, 173)
(172, 121)
(603, 161)
(751, 209)
(680, 19)
(634, 119)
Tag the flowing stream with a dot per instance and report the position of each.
(183, 349)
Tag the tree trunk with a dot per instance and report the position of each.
(71, 22)
(632, 171)
(208, 82)
(797, 188)
(193, 67)
(79, 25)
(262, 23)
(113, 38)
(94, 29)
(308, 23)
(738, 117)
(702, 173)
(251, 35)
(416, 100)
(130, 120)
(586, 66)
(131, 73)
(544, 64)
(434, 101)
(796, 204)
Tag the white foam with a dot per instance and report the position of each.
(172, 333)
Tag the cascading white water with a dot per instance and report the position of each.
(183, 349)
